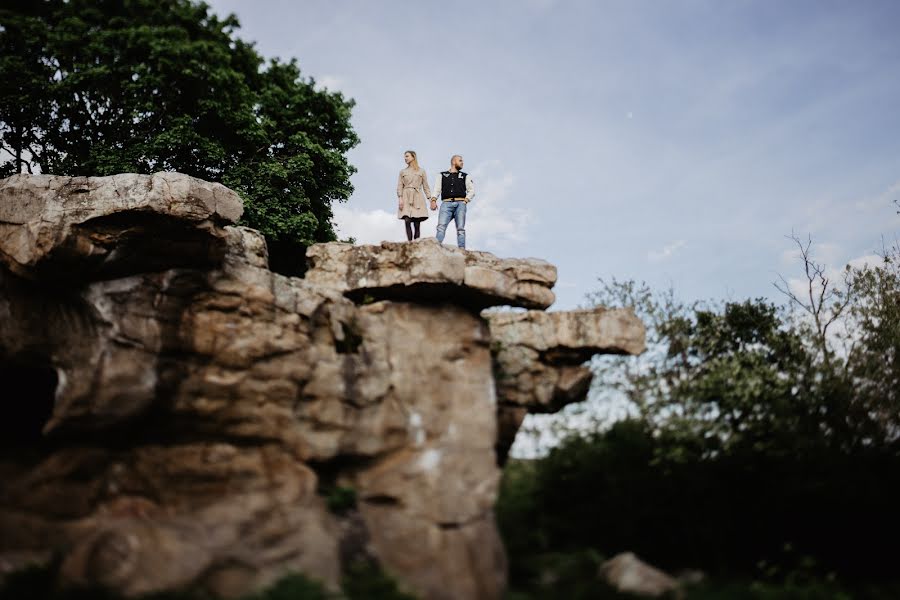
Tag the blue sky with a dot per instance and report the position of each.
(672, 142)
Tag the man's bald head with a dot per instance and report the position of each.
(456, 161)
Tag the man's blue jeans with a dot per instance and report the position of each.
(456, 211)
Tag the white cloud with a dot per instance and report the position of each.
(494, 222)
(800, 285)
(825, 253)
(666, 252)
(331, 83)
(880, 202)
(367, 226)
(869, 260)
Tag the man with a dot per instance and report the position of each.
(456, 190)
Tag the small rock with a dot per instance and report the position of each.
(627, 573)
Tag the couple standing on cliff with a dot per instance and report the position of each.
(454, 187)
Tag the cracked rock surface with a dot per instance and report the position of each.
(179, 415)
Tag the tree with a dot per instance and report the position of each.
(96, 87)
(24, 104)
(756, 428)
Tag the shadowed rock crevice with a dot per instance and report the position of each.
(126, 243)
(382, 500)
(431, 294)
(29, 389)
(214, 424)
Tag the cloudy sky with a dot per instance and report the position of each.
(672, 142)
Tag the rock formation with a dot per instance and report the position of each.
(539, 359)
(184, 413)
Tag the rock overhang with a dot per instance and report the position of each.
(430, 272)
(56, 228)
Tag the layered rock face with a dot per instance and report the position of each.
(185, 414)
(539, 359)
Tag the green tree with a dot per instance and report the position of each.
(24, 104)
(753, 376)
(96, 87)
(755, 428)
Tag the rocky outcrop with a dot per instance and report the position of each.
(102, 227)
(187, 413)
(428, 271)
(539, 359)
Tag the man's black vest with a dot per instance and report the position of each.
(453, 185)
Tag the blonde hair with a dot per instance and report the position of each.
(415, 161)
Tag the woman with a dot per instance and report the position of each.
(410, 201)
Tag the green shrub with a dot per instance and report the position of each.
(339, 499)
(365, 581)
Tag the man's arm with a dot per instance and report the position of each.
(470, 189)
(436, 188)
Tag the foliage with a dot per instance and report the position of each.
(340, 499)
(762, 448)
(743, 377)
(293, 587)
(611, 492)
(365, 581)
(111, 86)
(873, 342)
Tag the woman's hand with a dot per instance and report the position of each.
(400, 204)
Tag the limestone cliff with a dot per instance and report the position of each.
(184, 412)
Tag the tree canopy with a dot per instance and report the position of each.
(96, 87)
(762, 446)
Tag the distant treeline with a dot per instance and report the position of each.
(764, 447)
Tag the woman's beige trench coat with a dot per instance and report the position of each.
(409, 192)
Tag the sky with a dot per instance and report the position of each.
(676, 143)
